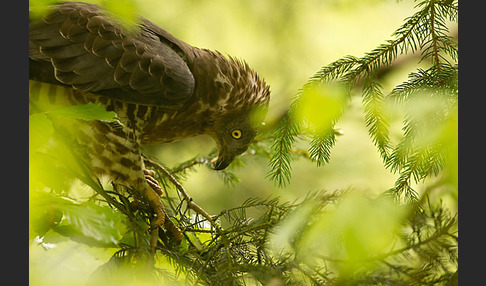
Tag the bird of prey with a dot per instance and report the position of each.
(161, 89)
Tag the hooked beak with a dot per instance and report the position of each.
(224, 158)
(222, 162)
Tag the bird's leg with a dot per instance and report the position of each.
(159, 213)
(172, 230)
(155, 203)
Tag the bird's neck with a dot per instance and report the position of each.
(166, 126)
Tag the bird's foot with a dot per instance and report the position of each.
(160, 216)
(150, 177)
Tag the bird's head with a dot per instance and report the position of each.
(242, 102)
(235, 132)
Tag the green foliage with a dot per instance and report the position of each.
(426, 31)
(87, 222)
(280, 163)
(358, 241)
(343, 237)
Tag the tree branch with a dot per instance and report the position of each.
(190, 203)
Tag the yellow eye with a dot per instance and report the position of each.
(236, 134)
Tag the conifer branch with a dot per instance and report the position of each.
(280, 162)
(375, 120)
(425, 31)
(320, 147)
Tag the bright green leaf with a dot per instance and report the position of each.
(39, 8)
(321, 105)
(82, 222)
(100, 223)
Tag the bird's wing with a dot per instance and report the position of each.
(78, 45)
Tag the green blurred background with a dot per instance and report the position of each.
(286, 42)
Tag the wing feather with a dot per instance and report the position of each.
(92, 52)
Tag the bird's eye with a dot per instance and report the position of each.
(236, 134)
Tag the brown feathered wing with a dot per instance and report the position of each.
(79, 46)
